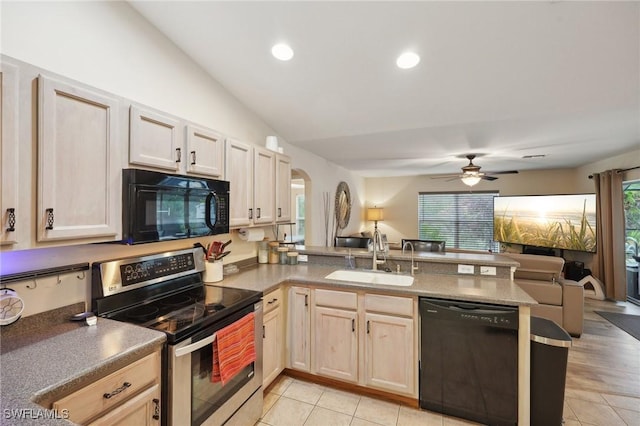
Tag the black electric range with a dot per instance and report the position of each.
(164, 292)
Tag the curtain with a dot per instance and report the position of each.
(609, 266)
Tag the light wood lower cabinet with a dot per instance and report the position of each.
(272, 337)
(389, 353)
(299, 328)
(336, 343)
(129, 396)
(362, 338)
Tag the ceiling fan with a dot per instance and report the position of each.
(471, 173)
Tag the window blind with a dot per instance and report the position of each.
(463, 219)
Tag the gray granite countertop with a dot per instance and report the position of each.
(266, 277)
(65, 358)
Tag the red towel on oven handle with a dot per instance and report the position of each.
(233, 349)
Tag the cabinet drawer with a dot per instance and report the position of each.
(336, 299)
(389, 304)
(272, 300)
(108, 392)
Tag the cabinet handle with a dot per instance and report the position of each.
(353, 325)
(12, 219)
(306, 300)
(193, 158)
(122, 388)
(178, 155)
(279, 212)
(258, 213)
(156, 409)
(49, 219)
(250, 213)
(272, 301)
(263, 334)
(367, 327)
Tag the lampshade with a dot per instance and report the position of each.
(470, 179)
(374, 214)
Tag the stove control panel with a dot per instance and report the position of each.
(116, 276)
(134, 273)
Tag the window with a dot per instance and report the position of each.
(300, 217)
(464, 220)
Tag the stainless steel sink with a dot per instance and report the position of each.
(370, 277)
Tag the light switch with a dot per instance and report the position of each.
(465, 269)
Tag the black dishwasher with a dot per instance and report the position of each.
(469, 360)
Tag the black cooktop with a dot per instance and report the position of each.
(185, 312)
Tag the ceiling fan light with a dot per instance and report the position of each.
(470, 179)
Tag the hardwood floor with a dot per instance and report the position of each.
(605, 358)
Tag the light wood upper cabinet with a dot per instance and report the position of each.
(155, 139)
(251, 170)
(264, 181)
(79, 180)
(205, 149)
(9, 210)
(239, 170)
(299, 328)
(283, 188)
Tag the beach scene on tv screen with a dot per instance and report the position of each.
(557, 221)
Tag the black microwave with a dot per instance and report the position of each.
(161, 206)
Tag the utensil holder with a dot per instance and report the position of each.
(212, 272)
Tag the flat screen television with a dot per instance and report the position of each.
(565, 222)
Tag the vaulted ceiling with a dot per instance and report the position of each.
(502, 80)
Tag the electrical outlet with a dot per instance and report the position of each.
(487, 270)
(465, 269)
(302, 258)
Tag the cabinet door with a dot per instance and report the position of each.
(239, 169)
(283, 188)
(141, 410)
(272, 363)
(205, 149)
(299, 328)
(264, 185)
(387, 337)
(79, 180)
(336, 343)
(9, 155)
(154, 139)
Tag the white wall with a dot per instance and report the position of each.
(399, 196)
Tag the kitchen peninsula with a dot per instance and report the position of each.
(311, 276)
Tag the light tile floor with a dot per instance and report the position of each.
(293, 402)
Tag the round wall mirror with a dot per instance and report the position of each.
(343, 205)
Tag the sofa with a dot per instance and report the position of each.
(560, 300)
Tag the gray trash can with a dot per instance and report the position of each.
(550, 345)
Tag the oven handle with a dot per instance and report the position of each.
(185, 350)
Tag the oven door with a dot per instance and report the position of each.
(192, 397)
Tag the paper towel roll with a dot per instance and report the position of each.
(251, 234)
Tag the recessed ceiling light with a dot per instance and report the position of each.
(282, 51)
(407, 60)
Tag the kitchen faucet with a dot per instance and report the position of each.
(413, 268)
(377, 245)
